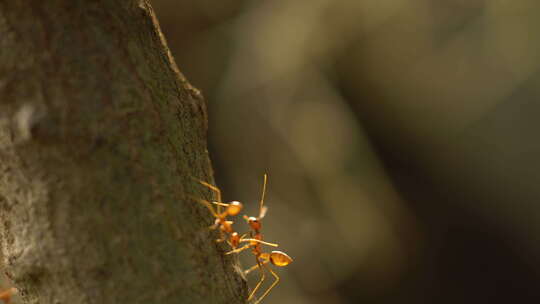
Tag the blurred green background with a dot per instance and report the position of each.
(400, 138)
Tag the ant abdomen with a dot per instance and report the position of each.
(280, 258)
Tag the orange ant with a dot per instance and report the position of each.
(6, 295)
(275, 257)
(225, 226)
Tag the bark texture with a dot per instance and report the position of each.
(100, 136)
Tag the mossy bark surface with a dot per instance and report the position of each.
(100, 138)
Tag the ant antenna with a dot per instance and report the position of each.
(263, 209)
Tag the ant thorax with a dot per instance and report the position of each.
(227, 226)
(235, 239)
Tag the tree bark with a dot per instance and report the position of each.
(100, 138)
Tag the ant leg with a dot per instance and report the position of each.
(220, 204)
(218, 208)
(247, 271)
(216, 190)
(260, 242)
(222, 237)
(213, 188)
(238, 249)
(271, 286)
(214, 226)
(263, 276)
(207, 204)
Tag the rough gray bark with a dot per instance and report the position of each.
(100, 136)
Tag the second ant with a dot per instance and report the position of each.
(277, 258)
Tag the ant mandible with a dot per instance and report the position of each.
(275, 257)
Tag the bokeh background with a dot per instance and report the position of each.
(401, 139)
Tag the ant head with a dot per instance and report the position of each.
(280, 258)
(254, 223)
(234, 208)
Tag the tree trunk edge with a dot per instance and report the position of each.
(100, 138)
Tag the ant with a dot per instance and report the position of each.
(275, 257)
(225, 226)
(6, 295)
